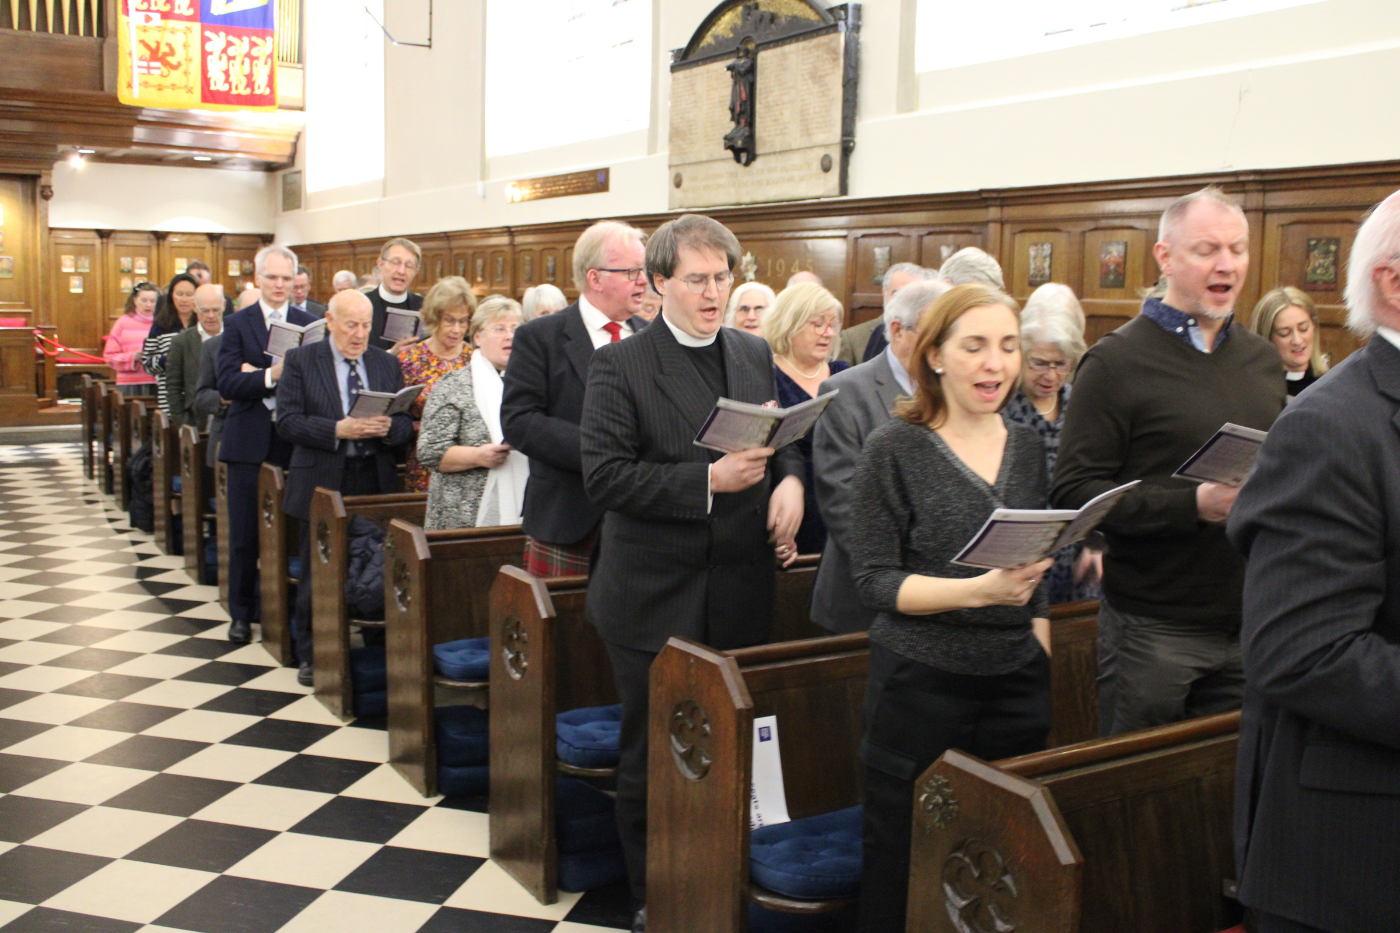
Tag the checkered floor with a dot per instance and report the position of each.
(154, 776)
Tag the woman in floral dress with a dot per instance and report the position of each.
(446, 318)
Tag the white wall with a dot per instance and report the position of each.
(1304, 86)
(108, 196)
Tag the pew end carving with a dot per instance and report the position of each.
(278, 538)
(221, 528)
(195, 481)
(165, 444)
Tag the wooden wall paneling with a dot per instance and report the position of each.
(183, 246)
(436, 261)
(871, 253)
(78, 256)
(935, 246)
(127, 252)
(366, 255)
(1065, 261)
(779, 254)
(330, 259)
(21, 278)
(542, 256)
(1118, 266)
(241, 248)
(501, 270)
(1311, 250)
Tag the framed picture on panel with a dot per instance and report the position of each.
(1320, 269)
(1040, 269)
(1113, 264)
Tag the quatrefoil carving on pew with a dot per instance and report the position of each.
(323, 541)
(185, 462)
(937, 800)
(978, 890)
(268, 513)
(403, 594)
(223, 483)
(514, 640)
(690, 740)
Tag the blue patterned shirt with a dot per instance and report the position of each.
(1182, 325)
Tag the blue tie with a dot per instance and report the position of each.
(353, 385)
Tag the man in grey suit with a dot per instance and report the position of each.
(1317, 803)
(330, 448)
(207, 403)
(301, 294)
(684, 547)
(867, 397)
(854, 346)
(182, 368)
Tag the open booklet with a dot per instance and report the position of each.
(1227, 458)
(735, 426)
(283, 336)
(1013, 538)
(399, 324)
(373, 404)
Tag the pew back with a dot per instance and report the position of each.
(107, 404)
(121, 434)
(165, 459)
(221, 527)
(92, 401)
(196, 480)
(792, 619)
(1074, 672)
(278, 538)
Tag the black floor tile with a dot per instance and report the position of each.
(239, 905)
(23, 818)
(93, 659)
(108, 686)
(281, 734)
(248, 702)
(10, 696)
(179, 625)
(45, 577)
(146, 753)
(75, 634)
(604, 907)
(208, 648)
(19, 770)
(72, 614)
(457, 920)
(203, 845)
(371, 722)
(227, 673)
(37, 563)
(149, 587)
(318, 773)
(360, 820)
(166, 604)
(125, 717)
(59, 596)
(17, 730)
(172, 794)
(32, 875)
(411, 874)
(48, 920)
(9, 667)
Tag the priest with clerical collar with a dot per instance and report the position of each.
(399, 262)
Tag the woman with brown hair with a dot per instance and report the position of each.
(958, 656)
(1287, 318)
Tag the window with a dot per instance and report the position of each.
(344, 94)
(953, 33)
(564, 71)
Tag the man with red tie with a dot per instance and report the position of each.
(543, 400)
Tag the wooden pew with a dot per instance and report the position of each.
(121, 430)
(133, 430)
(108, 403)
(437, 587)
(279, 538)
(92, 402)
(1074, 672)
(700, 768)
(1129, 834)
(546, 657)
(221, 526)
(196, 481)
(792, 620)
(331, 515)
(165, 460)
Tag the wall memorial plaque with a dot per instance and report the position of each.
(139, 264)
(1320, 272)
(1040, 264)
(763, 104)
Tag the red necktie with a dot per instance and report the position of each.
(615, 329)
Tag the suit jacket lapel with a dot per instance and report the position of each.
(323, 361)
(578, 347)
(677, 377)
(746, 382)
(255, 318)
(886, 385)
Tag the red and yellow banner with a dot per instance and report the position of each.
(197, 54)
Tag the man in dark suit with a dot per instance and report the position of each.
(399, 262)
(248, 379)
(182, 365)
(207, 401)
(1317, 804)
(868, 393)
(332, 449)
(543, 399)
(685, 542)
(301, 294)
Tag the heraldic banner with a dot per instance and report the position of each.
(197, 54)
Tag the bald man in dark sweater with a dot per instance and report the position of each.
(1146, 397)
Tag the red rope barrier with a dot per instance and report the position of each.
(77, 355)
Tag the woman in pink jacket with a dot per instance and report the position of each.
(122, 347)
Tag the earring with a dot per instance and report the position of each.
(938, 372)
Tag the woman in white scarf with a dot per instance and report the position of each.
(477, 480)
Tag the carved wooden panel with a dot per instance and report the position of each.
(242, 249)
(1117, 266)
(1039, 256)
(78, 314)
(178, 249)
(779, 255)
(1311, 251)
(435, 265)
(872, 253)
(935, 247)
(20, 278)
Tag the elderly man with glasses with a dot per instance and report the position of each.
(399, 262)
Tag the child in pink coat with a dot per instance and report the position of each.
(122, 347)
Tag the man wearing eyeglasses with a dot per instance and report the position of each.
(542, 403)
(399, 262)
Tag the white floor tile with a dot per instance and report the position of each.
(68, 743)
(442, 829)
(106, 831)
(53, 708)
(140, 642)
(124, 619)
(358, 744)
(182, 694)
(19, 590)
(42, 678)
(265, 807)
(206, 611)
(110, 600)
(254, 654)
(360, 913)
(25, 629)
(202, 725)
(9, 910)
(158, 665)
(84, 783)
(135, 891)
(306, 709)
(310, 861)
(230, 763)
(492, 890)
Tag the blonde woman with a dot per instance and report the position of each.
(447, 315)
(1287, 318)
(748, 303)
(802, 328)
(477, 480)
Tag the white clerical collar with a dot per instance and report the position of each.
(391, 297)
(593, 319)
(1391, 335)
(684, 339)
(1297, 376)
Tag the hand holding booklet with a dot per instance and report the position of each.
(373, 404)
(1227, 458)
(1013, 538)
(283, 336)
(735, 426)
(400, 324)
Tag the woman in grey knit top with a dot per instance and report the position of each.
(957, 655)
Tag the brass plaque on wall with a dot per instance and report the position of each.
(594, 181)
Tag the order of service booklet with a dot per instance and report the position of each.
(283, 336)
(373, 404)
(735, 426)
(1227, 458)
(399, 324)
(1013, 538)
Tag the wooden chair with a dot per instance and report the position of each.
(1130, 834)
(331, 515)
(221, 526)
(437, 588)
(279, 538)
(546, 657)
(1074, 672)
(196, 482)
(700, 768)
(109, 401)
(165, 466)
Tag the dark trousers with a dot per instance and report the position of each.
(243, 541)
(360, 477)
(1273, 923)
(913, 714)
(632, 675)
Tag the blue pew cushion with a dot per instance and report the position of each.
(586, 871)
(372, 704)
(463, 737)
(211, 560)
(463, 781)
(294, 567)
(589, 737)
(177, 485)
(467, 659)
(368, 669)
(584, 817)
(813, 858)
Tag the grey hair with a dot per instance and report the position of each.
(542, 296)
(739, 290)
(492, 309)
(911, 301)
(1377, 244)
(1053, 315)
(972, 266)
(907, 268)
(344, 279)
(260, 260)
(593, 244)
(403, 243)
(689, 231)
(1172, 216)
